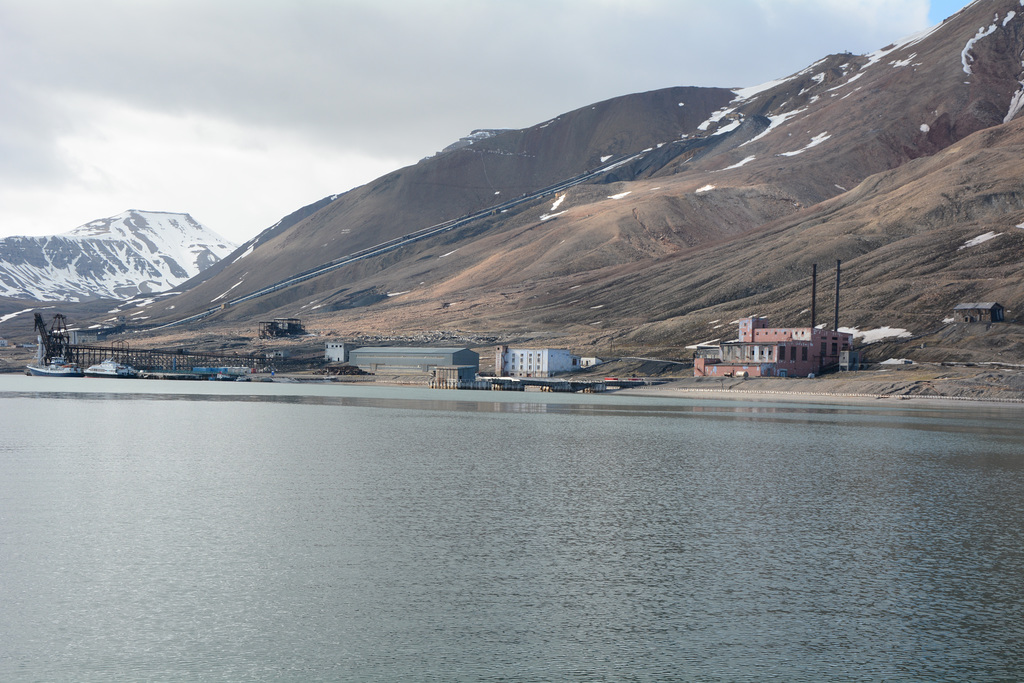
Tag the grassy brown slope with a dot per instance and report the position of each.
(640, 272)
(455, 183)
(898, 235)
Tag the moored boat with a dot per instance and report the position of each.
(111, 368)
(56, 368)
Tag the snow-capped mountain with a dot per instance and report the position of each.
(132, 253)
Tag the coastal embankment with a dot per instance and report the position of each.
(989, 383)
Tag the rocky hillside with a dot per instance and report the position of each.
(689, 207)
(132, 253)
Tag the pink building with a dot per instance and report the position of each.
(763, 351)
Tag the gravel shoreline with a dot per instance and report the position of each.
(912, 384)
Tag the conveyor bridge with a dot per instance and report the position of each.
(157, 360)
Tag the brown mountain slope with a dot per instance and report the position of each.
(889, 161)
(899, 235)
(464, 180)
(904, 237)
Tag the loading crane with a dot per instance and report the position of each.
(54, 342)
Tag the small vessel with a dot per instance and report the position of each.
(55, 368)
(111, 368)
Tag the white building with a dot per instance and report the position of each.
(3, 342)
(338, 352)
(533, 362)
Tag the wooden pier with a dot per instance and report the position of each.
(160, 362)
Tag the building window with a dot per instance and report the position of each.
(782, 353)
(835, 349)
(792, 353)
(803, 353)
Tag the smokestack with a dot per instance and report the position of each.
(814, 293)
(838, 266)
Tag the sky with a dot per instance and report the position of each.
(242, 111)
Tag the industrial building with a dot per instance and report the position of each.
(456, 377)
(533, 362)
(403, 360)
(763, 351)
(97, 333)
(281, 327)
(338, 352)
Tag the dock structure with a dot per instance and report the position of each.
(521, 384)
(156, 361)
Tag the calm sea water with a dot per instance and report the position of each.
(172, 531)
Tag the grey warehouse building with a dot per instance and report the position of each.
(404, 360)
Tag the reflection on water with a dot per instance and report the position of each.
(154, 531)
(984, 418)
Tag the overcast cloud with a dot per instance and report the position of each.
(241, 112)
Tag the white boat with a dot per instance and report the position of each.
(111, 368)
(56, 368)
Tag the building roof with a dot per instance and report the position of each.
(976, 306)
(406, 350)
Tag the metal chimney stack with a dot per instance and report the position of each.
(814, 293)
(838, 266)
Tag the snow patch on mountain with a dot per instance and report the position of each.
(252, 245)
(899, 63)
(980, 239)
(965, 55)
(716, 117)
(474, 136)
(729, 127)
(815, 141)
(876, 335)
(11, 316)
(776, 121)
(747, 93)
(132, 253)
(901, 44)
(1016, 104)
(747, 160)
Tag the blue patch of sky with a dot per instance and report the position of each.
(940, 9)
